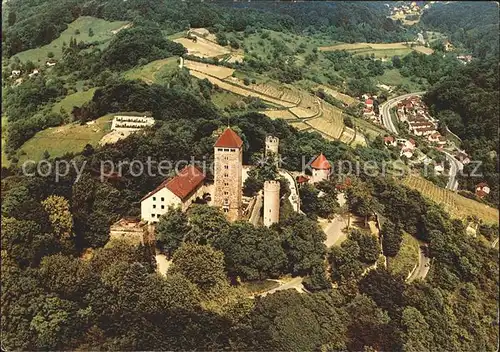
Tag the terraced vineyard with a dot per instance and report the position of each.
(348, 135)
(340, 96)
(302, 109)
(327, 126)
(301, 126)
(303, 113)
(457, 205)
(280, 114)
(220, 72)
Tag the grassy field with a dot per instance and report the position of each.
(224, 99)
(63, 139)
(407, 257)
(75, 99)
(254, 287)
(103, 32)
(458, 206)
(368, 129)
(154, 71)
(393, 78)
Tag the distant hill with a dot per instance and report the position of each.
(472, 24)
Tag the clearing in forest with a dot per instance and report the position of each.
(154, 71)
(202, 47)
(219, 72)
(380, 50)
(72, 100)
(457, 205)
(407, 257)
(69, 138)
(78, 29)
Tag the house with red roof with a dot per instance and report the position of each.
(321, 169)
(369, 103)
(482, 190)
(302, 180)
(390, 140)
(180, 190)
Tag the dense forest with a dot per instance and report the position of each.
(349, 22)
(467, 101)
(60, 300)
(472, 24)
(66, 286)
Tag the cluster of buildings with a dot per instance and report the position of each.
(414, 112)
(407, 146)
(368, 110)
(465, 59)
(406, 9)
(226, 192)
(320, 169)
(131, 123)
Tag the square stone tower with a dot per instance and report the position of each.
(228, 161)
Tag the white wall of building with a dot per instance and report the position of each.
(157, 204)
(271, 202)
(319, 175)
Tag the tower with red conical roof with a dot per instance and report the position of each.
(321, 169)
(228, 161)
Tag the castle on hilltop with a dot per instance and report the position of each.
(188, 186)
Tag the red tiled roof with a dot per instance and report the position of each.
(183, 184)
(302, 179)
(369, 101)
(412, 141)
(481, 194)
(229, 139)
(321, 163)
(389, 139)
(481, 185)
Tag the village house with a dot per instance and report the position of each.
(482, 189)
(439, 168)
(407, 152)
(463, 157)
(390, 140)
(465, 59)
(321, 169)
(302, 180)
(50, 63)
(181, 190)
(15, 73)
(434, 137)
(33, 73)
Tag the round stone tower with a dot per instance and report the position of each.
(272, 144)
(271, 202)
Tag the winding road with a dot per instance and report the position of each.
(424, 264)
(385, 111)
